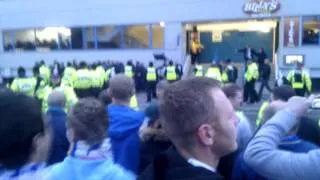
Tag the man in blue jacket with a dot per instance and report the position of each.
(124, 123)
(57, 118)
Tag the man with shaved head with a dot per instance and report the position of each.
(124, 123)
(57, 118)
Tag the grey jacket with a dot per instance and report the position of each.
(263, 156)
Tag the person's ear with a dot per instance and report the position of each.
(206, 134)
(70, 135)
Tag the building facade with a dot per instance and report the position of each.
(67, 30)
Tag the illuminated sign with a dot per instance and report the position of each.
(293, 59)
(254, 7)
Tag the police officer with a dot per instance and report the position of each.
(214, 72)
(45, 72)
(151, 79)
(69, 75)
(55, 84)
(198, 70)
(96, 76)
(300, 80)
(171, 72)
(82, 83)
(129, 69)
(251, 75)
(24, 84)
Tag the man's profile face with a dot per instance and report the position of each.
(225, 139)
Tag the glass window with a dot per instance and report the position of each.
(109, 36)
(47, 39)
(157, 36)
(64, 37)
(136, 37)
(76, 38)
(24, 40)
(311, 28)
(8, 41)
(89, 38)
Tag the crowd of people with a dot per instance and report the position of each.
(83, 122)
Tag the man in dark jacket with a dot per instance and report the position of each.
(247, 54)
(265, 76)
(201, 131)
(57, 118)
(261, 56)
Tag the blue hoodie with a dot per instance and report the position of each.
(78, 169)
(86, 162)
(124, 134)
(60, 144)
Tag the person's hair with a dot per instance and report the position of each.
(283, 92)
(186, 105)
(121, 87)
(105, 97)
(20, 121)
(82, 64)
(69, 64)
(228, 61)
(151, 64)
(170, 62)
(230, 90)
(57, 99)
(88, 120)
(21, 72)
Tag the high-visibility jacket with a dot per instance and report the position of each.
(25, 85)
(83, 79)
(252, 72)
(171, 74)
(100, 70)
(225, 77)
(151, 74)
(71, 97)
(134, 102)
(261, 112)
(108, 74)
(69, 76)
(299, 79)
(199, 71)
(45, 73)
(214, 73)
(128, 71)
(95, 77)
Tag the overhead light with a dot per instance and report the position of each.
(162, 23)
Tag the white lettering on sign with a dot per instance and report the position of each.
(261, 6)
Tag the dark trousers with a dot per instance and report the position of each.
(250, 93)
(300, 92)
(195, 57)
(264, 84)
(151, 90)
(82, 93)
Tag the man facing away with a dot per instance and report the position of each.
(57, 118)
(201, 130)
(90, 154)
(124, 123)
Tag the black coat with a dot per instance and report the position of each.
(261, 56)
(265, 71)
(171, 165)
(309, 130)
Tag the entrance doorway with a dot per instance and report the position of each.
(223, 40)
